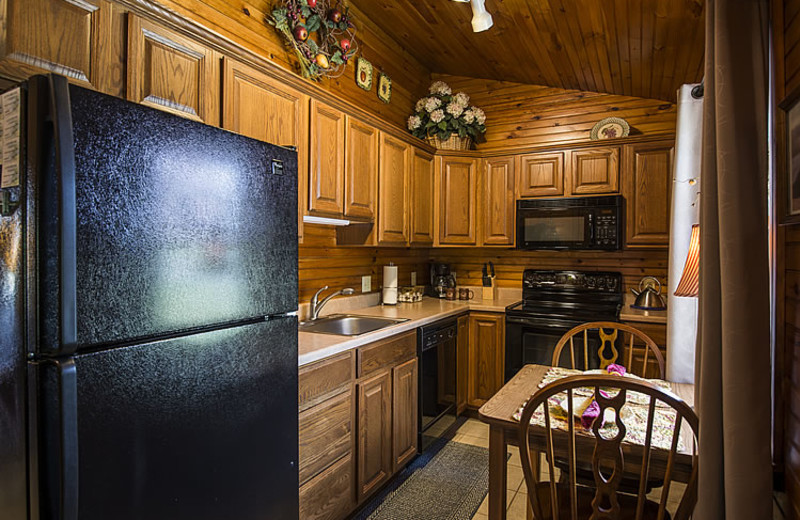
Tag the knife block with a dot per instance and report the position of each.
(489, 292)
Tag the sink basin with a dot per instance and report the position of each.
(348, 324)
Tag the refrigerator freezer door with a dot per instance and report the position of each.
(201, 427)
(180, 226)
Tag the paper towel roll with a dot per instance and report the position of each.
(390, 295)
(390, 276)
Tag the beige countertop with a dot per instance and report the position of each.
(628, 314)
(313, 347)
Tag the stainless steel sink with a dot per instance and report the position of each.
(348, 324)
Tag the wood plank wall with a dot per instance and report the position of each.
(786, 441)
(322, 263)
(245, 23)
(509, 264)
(519, 115)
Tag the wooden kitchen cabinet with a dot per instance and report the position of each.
(456, 179)
(393, 174)
(171, 72)
(647, 170)
(258, 106)
(486, 356)
(329, 495)
(404, 413)
(658, 333)
(462, 363)
(541, 175)
(497, 202)
(361, 170)
(374, 432)
(326, 178)
(421, 205)
(70, 38)
(594, 171)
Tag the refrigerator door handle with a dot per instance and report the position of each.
(68, 437)
(65, 163)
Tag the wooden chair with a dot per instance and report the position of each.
(609, 458)
(608, 332)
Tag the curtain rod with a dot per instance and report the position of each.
(699, 90)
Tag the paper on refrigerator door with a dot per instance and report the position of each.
(10, 109)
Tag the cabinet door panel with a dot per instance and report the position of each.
(327, 160)
(422, 198)
(361, 170)
(486, 354)
(374, 433)
(392, 191)
(404, 413)
(457, 178)
(595, 170)
(462, 363)
(260, 107)
(541, 175)
(648, 177)
(497, 202)
(329, 496)
(172, 73)
(61, 36)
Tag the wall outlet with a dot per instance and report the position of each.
(413, 278)
(366, 283)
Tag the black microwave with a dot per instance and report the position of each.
(579, 223)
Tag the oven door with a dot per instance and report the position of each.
(532, 340)
(555, 228)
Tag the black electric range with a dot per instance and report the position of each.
(552, 303)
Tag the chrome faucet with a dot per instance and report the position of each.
(316, 305)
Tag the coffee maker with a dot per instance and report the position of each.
(441, 279)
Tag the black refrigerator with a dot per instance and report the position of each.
(148, 329)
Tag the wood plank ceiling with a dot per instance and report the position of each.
(641, 48)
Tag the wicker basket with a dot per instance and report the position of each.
(453, 143)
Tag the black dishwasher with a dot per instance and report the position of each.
(437, 382)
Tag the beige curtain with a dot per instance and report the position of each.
(733, 353)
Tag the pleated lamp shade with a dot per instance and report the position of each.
(689, 286)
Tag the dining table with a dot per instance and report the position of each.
(498, 412)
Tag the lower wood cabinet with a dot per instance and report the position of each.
(486, 356)
(658, 333)
(462, 363)
(404, 413)
(329, 495)
(374, 432)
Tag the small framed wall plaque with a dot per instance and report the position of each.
(384, 88)
(364, 74)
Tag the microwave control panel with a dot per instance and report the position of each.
(606, 230)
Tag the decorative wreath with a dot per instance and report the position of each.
(321, 33)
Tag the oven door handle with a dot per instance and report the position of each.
(540, 323)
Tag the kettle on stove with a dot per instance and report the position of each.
(649, 298)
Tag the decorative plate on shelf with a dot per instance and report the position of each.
(610, 128)
(364, 74)
(384, 88)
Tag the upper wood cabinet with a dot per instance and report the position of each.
(647, 170)
(326, 180)
(404, 413)
(260, 107)
(68, 37)
(393, 173)
(594, 170)
(496, 202)
(361, 169)
(541, 175)
(422, 191)
(173, 73)
(456, 179)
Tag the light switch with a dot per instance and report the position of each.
(413, 278)
(366, 283)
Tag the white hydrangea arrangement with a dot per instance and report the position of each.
(442, 113)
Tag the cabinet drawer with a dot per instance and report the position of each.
(329, 496)
(325, 378)
(386, 353)
(326, 434)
